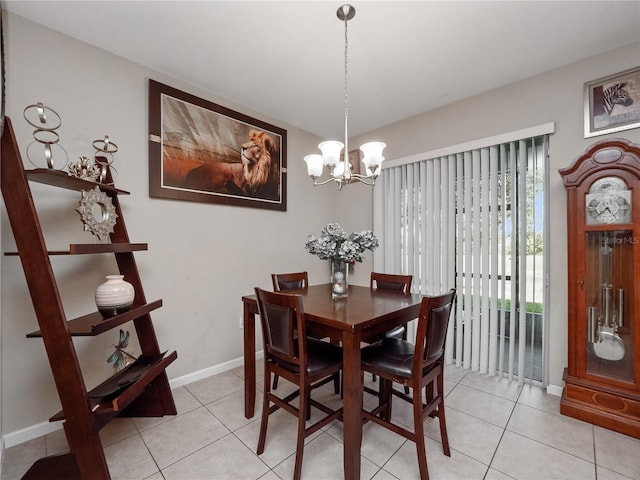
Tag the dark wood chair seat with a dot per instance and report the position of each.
(321, 355)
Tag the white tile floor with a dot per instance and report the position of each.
(497, 431)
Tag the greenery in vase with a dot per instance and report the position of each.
(335, 244)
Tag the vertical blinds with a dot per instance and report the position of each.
(464, 220)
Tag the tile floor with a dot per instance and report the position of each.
(497, 431)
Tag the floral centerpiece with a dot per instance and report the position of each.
(341, 249)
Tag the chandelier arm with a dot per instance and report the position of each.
(364, 179)
(316, 183)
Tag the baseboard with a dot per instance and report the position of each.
(34, 431)
(209, 371)
(554, 390)
(29, 433)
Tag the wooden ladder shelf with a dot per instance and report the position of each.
(142, 389)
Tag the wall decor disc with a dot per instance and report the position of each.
(97, 212)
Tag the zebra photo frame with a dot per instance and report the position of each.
(612, 104)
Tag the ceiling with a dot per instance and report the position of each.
(285, 59)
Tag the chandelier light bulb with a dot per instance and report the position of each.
(372, 154)
(339, 170)
(315, 163)
(331, 152)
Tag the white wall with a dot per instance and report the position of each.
(555, 96)
(202, 258)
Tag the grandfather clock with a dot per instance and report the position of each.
(602, 380)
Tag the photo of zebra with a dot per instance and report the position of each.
(605, 100)
(612, 104)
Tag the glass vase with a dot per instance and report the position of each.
(339, 278)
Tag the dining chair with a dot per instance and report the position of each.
(291, 354)
(394, 283)
(298, 281)
(289, 281)
(417, 366)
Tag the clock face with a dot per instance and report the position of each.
(608, 202)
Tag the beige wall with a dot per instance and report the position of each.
(203, 257)
(555, 96)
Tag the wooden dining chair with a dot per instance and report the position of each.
(393, 283)
(298, 281)
(289, 281)
(417, 366)
(305, 362)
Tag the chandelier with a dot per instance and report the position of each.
(340, 168)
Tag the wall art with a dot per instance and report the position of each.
(203, 152)
(612, 104)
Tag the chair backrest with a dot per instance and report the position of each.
(289, 281)
(432, 329)
(283, 326)
(392, 282)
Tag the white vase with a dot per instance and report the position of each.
(114, 296)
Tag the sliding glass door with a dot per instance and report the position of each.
(474, 220)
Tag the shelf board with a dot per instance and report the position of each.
(61, 179)
(92, 248)
(88, 248)
(125, 386)
(95, 324)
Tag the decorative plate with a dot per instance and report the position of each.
(97, 212)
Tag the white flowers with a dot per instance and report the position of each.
(335, 244)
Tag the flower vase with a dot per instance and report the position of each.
(114, 296)
(339, 278)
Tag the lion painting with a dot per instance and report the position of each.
(256, 176)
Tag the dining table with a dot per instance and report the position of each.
(365, 313)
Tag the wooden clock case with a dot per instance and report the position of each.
(602, 380)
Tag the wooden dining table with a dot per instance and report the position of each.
(363, 314)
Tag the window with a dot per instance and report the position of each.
(473, 218)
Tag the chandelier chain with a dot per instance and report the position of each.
(346, 94)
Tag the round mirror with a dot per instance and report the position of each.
(97, 212)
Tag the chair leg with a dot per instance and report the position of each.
(442, 419)
(275, 382)
(303, 411)
(418, 428)
(404, 337)
(336, 383)
(429, 395)
(265, 413)
(385, 397)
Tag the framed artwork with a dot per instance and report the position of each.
(612, 104)
(354, 160)
(203, 152)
